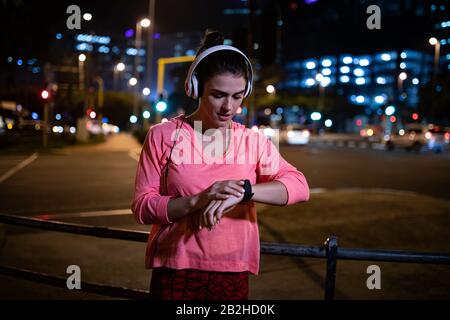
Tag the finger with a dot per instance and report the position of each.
(239, 185)
(219, 212)
(237, 191)
(221, 196)
(236, 185)
(197, 221)
(211, 213)
(205, 213)
(201, 222)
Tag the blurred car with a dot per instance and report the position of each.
(93, 127)
(410, 138)
(270, 133)
(372, 133)
(295, 134)
(437, 138)
(416, 137)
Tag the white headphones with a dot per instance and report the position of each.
(191, 83)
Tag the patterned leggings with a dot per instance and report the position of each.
(189, 284)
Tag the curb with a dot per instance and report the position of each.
(349, 144)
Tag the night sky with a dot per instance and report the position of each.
(28, 25)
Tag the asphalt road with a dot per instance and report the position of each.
(85, 180)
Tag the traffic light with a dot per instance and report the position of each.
(91, 113)
(161, 105)
(45, 94)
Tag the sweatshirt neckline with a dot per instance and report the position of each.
(182, 118)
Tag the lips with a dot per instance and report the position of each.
(223, 117)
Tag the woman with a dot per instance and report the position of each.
(197, 182)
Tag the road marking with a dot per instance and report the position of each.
(375, 190)
(20, 166)
(317, 190)
(88, 214)
(134, 155)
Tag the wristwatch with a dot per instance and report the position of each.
(248, 191)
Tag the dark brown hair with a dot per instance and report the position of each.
(218, 62)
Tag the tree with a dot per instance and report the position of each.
(441, 101)
(118, 107)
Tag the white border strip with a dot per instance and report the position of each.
(20, 166)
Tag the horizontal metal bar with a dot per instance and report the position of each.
(111, 291)
(393, 256)
(101, 232)
(266, 248)
(292, 250)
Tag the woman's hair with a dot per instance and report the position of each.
(219, 62)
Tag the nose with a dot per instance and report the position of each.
(227, 105)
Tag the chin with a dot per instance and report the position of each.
(222, 123)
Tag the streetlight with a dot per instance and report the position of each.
(45, 95)
(120, 66)
(117, 69)
(437, 47)
(400, 94)
(81, 60)
(401, 77)
(87, 16)
(270, 89)
(132, 82)
(323, 82)
(146, 91)
(144, 23)
(148, 69)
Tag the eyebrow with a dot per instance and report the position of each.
(223, 92)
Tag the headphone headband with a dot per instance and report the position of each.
(191, 83)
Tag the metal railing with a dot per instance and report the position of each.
(328, 251)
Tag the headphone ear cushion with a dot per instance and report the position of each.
(194, 87)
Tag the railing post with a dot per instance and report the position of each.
(331, 246)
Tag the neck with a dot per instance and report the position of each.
(196, 116)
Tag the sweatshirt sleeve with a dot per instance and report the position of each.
(149, 206)
(272, 166)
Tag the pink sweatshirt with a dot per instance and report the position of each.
(233, 245)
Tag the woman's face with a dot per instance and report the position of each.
(222, 96)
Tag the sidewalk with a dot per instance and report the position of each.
(123, 141)
(360, 219)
